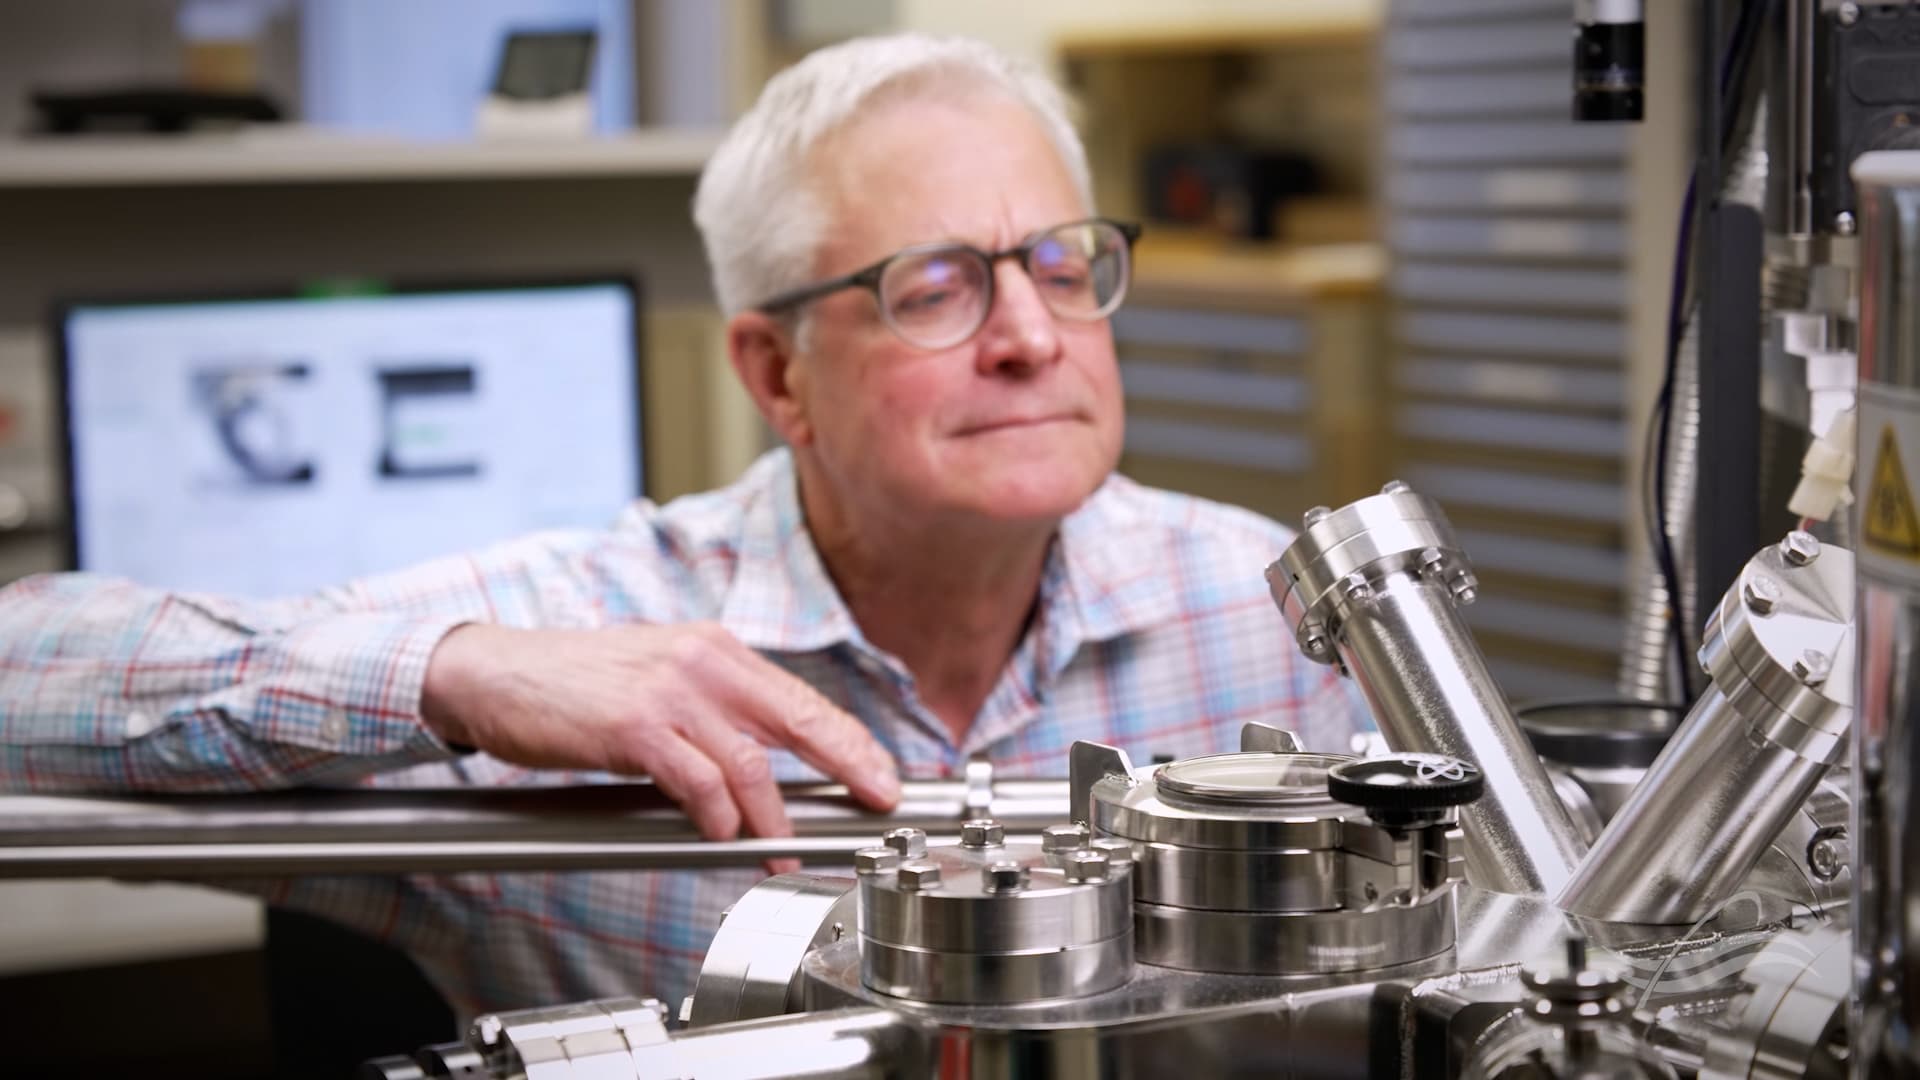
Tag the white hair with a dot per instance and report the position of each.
(758, 215)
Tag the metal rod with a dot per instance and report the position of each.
(623, 826)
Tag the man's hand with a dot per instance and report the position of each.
(688, 706)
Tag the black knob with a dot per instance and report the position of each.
(1406, 790)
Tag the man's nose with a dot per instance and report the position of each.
(1020, 332)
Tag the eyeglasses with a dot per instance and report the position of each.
(935, 296)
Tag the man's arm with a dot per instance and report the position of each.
(109, 685)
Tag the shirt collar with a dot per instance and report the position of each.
(1107, 574)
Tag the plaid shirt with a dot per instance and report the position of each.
(1153, 632)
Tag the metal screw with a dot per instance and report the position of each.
(1004, 877)
(1844, 224)
(1063, 837)
(918, 876)
(1119, 852)
(1087, 864)
(838, 930)
(1432, 561)
(1799, 548)
(1357, 588)
(488, 1030)
(1849, 14)
(875, 860)
(1829, 854)
(1317, 515)
(1466, 588)
(982, 832)
(1394, 487)
(1813, 667)
(1761, 594)
(1313, 639)
(911, 843)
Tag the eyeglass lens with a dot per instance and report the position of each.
(939, 297)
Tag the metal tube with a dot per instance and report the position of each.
(621, 826)
(850, 1044)
(1374, 587)
(1886, 752)
(1749, 754)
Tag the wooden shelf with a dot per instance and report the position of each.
(1299, 24)
(1202, 269)
(302, 156)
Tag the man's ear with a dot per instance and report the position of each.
(763, 353)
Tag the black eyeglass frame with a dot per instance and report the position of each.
(869, 277)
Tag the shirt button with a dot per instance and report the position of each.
(334, 727)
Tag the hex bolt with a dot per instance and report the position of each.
(1063, 837)
(1849, 14)
(1799, 548)
(1313, 639)
(982, 833)
(1813, 667)
(1829, 854)
(1003, 877)
(1433, 561)
(1762, 593)
(875, 860)
(487, 1030)
(919, 876)
(1086, 865)
(1119, 852)
(1466, 588)
(911, 843)
(1844, 223)
(1316, 515)
(1395, 487)
(1357, 588)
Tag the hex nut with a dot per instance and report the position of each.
(1003, 877)
(1063, 837)
(1813, 667)
(1761, 594)
(982, 833)
(1087, 864)
(1799, 548)
(917, 876)
(1316, 515)
(911, 843)
(1395, 487)
(875, 860)
(1119, 852)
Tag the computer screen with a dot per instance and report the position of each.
(267, 447)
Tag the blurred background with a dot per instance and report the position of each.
(1377, 247)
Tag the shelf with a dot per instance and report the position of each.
(1300, 24)
(305, 156)
(1214, 271)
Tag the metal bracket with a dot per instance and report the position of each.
(1088, 763)
(1255, 735)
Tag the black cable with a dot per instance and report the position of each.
(1735, 63)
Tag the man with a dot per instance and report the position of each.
(939, 564)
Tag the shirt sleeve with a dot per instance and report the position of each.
(107, 685)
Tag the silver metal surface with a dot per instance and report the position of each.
(615, 826)
(1885, 832)
(997, 923)
(1295, 943)
(1378, 581)
(1747, 757)
(591, 1040)
(752, 967)
(1791, 1022)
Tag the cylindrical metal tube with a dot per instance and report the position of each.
(1374, 587)
(1886, 753)
(847, 1044)
(624, 826)
(1779, 650)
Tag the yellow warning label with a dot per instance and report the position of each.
(1889, 522)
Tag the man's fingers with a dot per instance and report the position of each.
(692, 779)
(749, 776)
(782, 710)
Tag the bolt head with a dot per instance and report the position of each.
(909, 842)
(916, 876)
(487, 1030)
(1844, 223)
(1313, 639)
(1465, 588)
(1063, 837)
(1761, 594)
(1799, 548)
(1394, 487)
(1003, 877)
(1813, 667)
(1357, 588)
(982, 833)
(875, 860)
(1432, 560)
(1087, 864)
(1316, 515)
(1826, 858)
(1119, 852)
